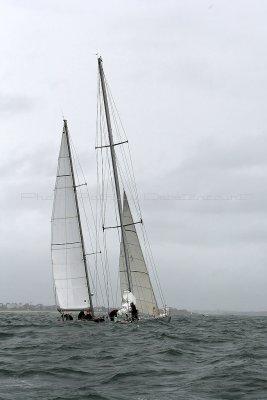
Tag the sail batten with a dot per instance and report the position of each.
(140, 280)
(68, 265)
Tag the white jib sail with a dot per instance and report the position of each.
(141, 285)
(67, 258)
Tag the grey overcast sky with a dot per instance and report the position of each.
(189, 78)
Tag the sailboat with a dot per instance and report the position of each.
(72, 280)
(70, 272)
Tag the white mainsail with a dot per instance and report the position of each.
(69, 270)
(141, 285)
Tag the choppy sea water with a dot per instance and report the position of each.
(192, 358)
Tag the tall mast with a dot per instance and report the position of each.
(115, 170)
(79, 217)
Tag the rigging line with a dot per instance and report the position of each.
(107, 269)
(123, 178)
(87, 193)
(114, 202)
(87, 223)
(97, 231)
(122, 139)
(105, 266)
(131, 169)
(106, 263)
(95, 285)
(65, 226)
(107, 257)
(52, 238)
(105, 185)
(135, 195)
(76, 165)
(97, 110)
(117, 298)
(99, 190)
(97, 241)
(129, 152)
(138, 206)
(97, 165)
(116, 216)
(127, 167)
(152, 263)
(113, 191)
(126, 164)
(105, 276)
(96, 205)
(116, 120)
(81, 198)
(108, 272)
(97, 281)
(128, 189)
(108, 190)
(104, 164)
(126, 180)
(90, 239)
(103, 181)
(147, 244)
(133, 182)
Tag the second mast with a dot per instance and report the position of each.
(115, 171)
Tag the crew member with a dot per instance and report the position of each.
(67, 317)
(88, 315)
(134, 312)
(113, 314)
(81, 315)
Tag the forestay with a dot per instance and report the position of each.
(141, 285)
(67, 257)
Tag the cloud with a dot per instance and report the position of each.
(15, 104)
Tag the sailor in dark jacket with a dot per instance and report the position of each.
(88, 315)
(81, 315)
(67, 317)
(134, 312)
(113, 314)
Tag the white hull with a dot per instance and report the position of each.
(163, 318)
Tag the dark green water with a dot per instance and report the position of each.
(192, 358)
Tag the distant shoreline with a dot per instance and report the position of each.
(173, 312)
